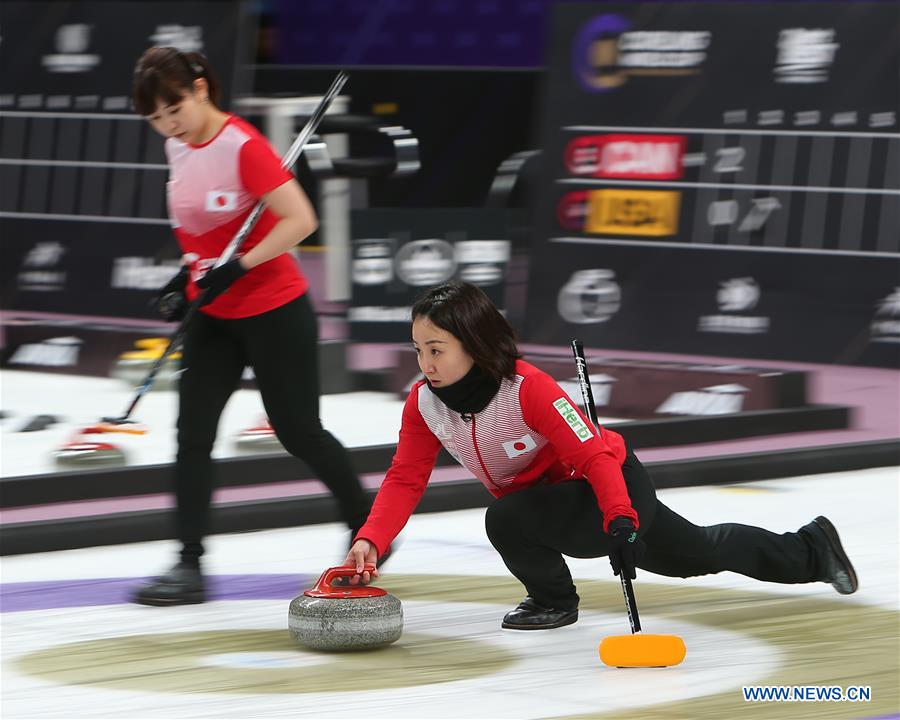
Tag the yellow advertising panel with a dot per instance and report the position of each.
(633, 212)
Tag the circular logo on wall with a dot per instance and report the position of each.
(482, 262)
(590, 296)
(73, 38)
(595, 53)
(885, 325)
(425, 262)
(738, 294)
(372, 263)
(606, 52)
(483, 274)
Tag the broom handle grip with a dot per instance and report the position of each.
(587, 397)
(584, 380)
(630, 604)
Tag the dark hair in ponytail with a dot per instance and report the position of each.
(166, 74)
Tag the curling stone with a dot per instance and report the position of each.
(345, 617)
(259, 438)
(84, 450)
(89, 453)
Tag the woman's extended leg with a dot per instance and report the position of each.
(678, 548)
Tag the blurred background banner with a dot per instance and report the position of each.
(398, 254)
(721, 179)
(82, 210)
(439, 33)
(80, 54)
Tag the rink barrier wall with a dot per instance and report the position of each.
(124, 480)
(141, 526)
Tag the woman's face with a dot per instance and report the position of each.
(185, 120)
(441, 355)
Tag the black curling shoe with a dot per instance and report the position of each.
(530, 615)
(182, 585)
(836, 566)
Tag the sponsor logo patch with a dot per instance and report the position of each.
(577, 425)
(633, 212)
(647, 157)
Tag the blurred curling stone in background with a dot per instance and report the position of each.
(258, 438)
(89, 448)
(345, 617)
(92, 446)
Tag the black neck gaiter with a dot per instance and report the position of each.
(470, 394)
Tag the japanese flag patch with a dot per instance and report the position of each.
(221, 201)
(520, 446)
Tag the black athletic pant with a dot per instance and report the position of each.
(281, 346)
(532, 529)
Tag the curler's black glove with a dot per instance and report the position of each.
(218, 280)
(170, 299)
(625, 547)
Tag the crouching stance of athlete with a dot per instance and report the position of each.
(561, 486)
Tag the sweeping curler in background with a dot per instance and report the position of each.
(178, 336)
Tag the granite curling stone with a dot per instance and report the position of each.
(260, 437)
(345, 617)
(85, 449)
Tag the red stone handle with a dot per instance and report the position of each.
(324, 589)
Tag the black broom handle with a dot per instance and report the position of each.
(288, 162)
(590, 410)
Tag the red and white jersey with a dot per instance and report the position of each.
(530, 432)
(212, 188)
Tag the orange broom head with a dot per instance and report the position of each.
(107, 427)
(642, 650)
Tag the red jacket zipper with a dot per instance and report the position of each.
(478, 455)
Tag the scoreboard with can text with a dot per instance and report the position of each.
(722, 179)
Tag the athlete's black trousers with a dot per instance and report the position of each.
(532, 529)
(281, 346)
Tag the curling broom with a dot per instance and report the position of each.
(637, 649)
